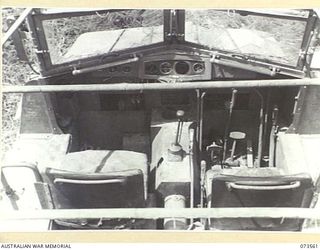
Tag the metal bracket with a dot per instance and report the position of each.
(42, 51)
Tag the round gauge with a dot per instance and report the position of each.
(182, 67)
(198, 67)
(114, 69)
(151, 69)
(126, 69)
(165, 68)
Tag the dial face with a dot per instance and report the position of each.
(198, 67)
(114, 69)
(182, 67)
(165, 68)
(126, 69)
(151, 69)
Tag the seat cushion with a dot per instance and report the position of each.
(118, 189)
(106, 161)
(258, 188)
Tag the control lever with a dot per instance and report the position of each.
(273, 136)
(180, 114)
(175, 152)
(236, 136)
(226, 133)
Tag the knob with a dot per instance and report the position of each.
(180, 114)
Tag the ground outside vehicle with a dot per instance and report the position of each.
(168, 119)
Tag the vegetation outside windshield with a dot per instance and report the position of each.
(79, 37)
(270, 38)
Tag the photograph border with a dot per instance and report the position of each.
(161, 236)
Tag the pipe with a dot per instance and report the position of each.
(173, 202)
(260, 142)
(203, 165)
(201, 120)
(266, 118)
(140, 87)
(191, 160)
(260, 137)
(157, 213)
(198, 119)
(16, 25)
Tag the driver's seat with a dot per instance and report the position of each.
(116, 182)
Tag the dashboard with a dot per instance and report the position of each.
(169, 66)
(175, 66)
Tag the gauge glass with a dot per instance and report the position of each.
(165, 68)
(151, 69)
(198, 67)
(182, 67)
(114, 69)
(126, 69)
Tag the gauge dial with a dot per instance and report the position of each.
(182, 67)
(198, 67)
(126, 69)
(151, 69)
(165, 68)
(114, 69)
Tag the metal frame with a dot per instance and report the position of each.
(157, 213)
(174, 33)
(268, 14)
(16, 25)
(140, 87)
(306, 37)
(35, 22)
(47, 16)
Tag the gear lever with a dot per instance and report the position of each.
(175, 152)
(180, 114)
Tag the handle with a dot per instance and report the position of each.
(233, 99)
(244, 186)
(72, 181)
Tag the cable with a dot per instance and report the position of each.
(32, 68)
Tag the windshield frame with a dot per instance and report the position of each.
(42, 49)
(310, 25)
(170, 21)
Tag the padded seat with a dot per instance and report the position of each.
(98, 179)
(96, 190)
(106, 161)
(258, 188)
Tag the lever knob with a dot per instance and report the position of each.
(180, 114)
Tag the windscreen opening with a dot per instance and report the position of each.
(263, 37)
(78, 37)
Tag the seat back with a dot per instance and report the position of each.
(266, 191)
(121, 189)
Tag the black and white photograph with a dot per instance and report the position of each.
(160, 120)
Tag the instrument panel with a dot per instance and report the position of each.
(174, 67)
(161, 66)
